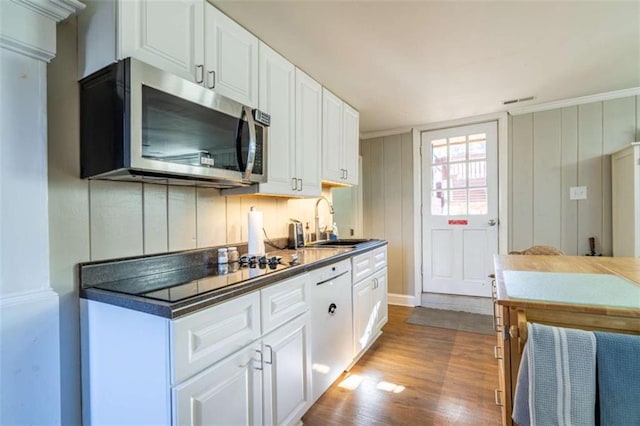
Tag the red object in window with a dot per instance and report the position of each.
(458, 222)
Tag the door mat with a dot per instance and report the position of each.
(455, 320)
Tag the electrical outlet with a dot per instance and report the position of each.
(578, 193)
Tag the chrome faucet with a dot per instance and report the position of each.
(318, 216)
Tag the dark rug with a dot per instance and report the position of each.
(462, 321)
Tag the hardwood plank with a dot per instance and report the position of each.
(415, 375)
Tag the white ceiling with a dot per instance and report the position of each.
(407, 63)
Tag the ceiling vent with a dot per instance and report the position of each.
(516, 101)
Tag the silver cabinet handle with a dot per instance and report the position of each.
(492, 222)
(270, 354)
(211, 79)
(497, 392)
(294, 184)
(199, 69)
(261, 360)
(299, 184)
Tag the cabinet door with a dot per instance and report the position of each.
(332, 153)
(228, 393)
(287, 372)
(351, 143)
(165, 34)
(362, 303)
(308, 134)
(277, 97)
(379, 309)
(231, 58)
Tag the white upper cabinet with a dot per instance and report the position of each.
(166, 34)
(231, 58)
(332, 169)
(294, 101)
(340, 140)
(351, 143)
(308, 135)
(277, 98)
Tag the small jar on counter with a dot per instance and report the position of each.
(233, 255)
(223, 258)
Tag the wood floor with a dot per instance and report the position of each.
(415, 375)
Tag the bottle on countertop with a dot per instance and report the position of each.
(222, 256)
(307, 234)
(334, 232)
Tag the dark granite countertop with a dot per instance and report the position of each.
(118, 290)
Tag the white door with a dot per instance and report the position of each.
(332, 153)
(459, 208)
(351, 143)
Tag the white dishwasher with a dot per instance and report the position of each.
(332, 329)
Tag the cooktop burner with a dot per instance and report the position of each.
(181, 284)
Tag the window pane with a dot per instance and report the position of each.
(478, 201)
(438, 203)
(458, 175)
(438, 177)
(477, 150)
(478, 137)
(457, 139)
(458, 202)
(477, 173)
(458, 152)
(439, 154)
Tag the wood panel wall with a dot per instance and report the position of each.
(554, 150)
(387, 204)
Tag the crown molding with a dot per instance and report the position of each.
(634, 91)
(29, 26)
(56, 10)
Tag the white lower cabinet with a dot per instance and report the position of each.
(286, 374)
(228, 393)
(369, 305)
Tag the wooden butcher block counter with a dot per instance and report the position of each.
(590, 293)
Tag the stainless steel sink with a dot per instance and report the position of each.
(347, 242)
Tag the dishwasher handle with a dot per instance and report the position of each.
(332, 278)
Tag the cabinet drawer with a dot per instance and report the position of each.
(284, 301)
(367, 263)
(202, 338)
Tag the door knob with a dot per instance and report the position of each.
(492, 222)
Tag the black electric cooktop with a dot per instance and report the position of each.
(176, 285)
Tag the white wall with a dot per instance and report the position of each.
(94, 220)
(554, 150)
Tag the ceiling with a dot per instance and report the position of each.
(409, 63)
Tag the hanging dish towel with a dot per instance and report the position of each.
(618, 357)
(557, 378)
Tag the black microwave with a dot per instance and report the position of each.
(140, 123)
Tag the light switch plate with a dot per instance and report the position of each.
(578, 193)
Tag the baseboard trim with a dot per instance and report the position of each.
(402, 300)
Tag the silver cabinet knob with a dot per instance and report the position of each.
(492, 222)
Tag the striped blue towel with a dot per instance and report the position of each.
(618, 358)
(557, 378)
